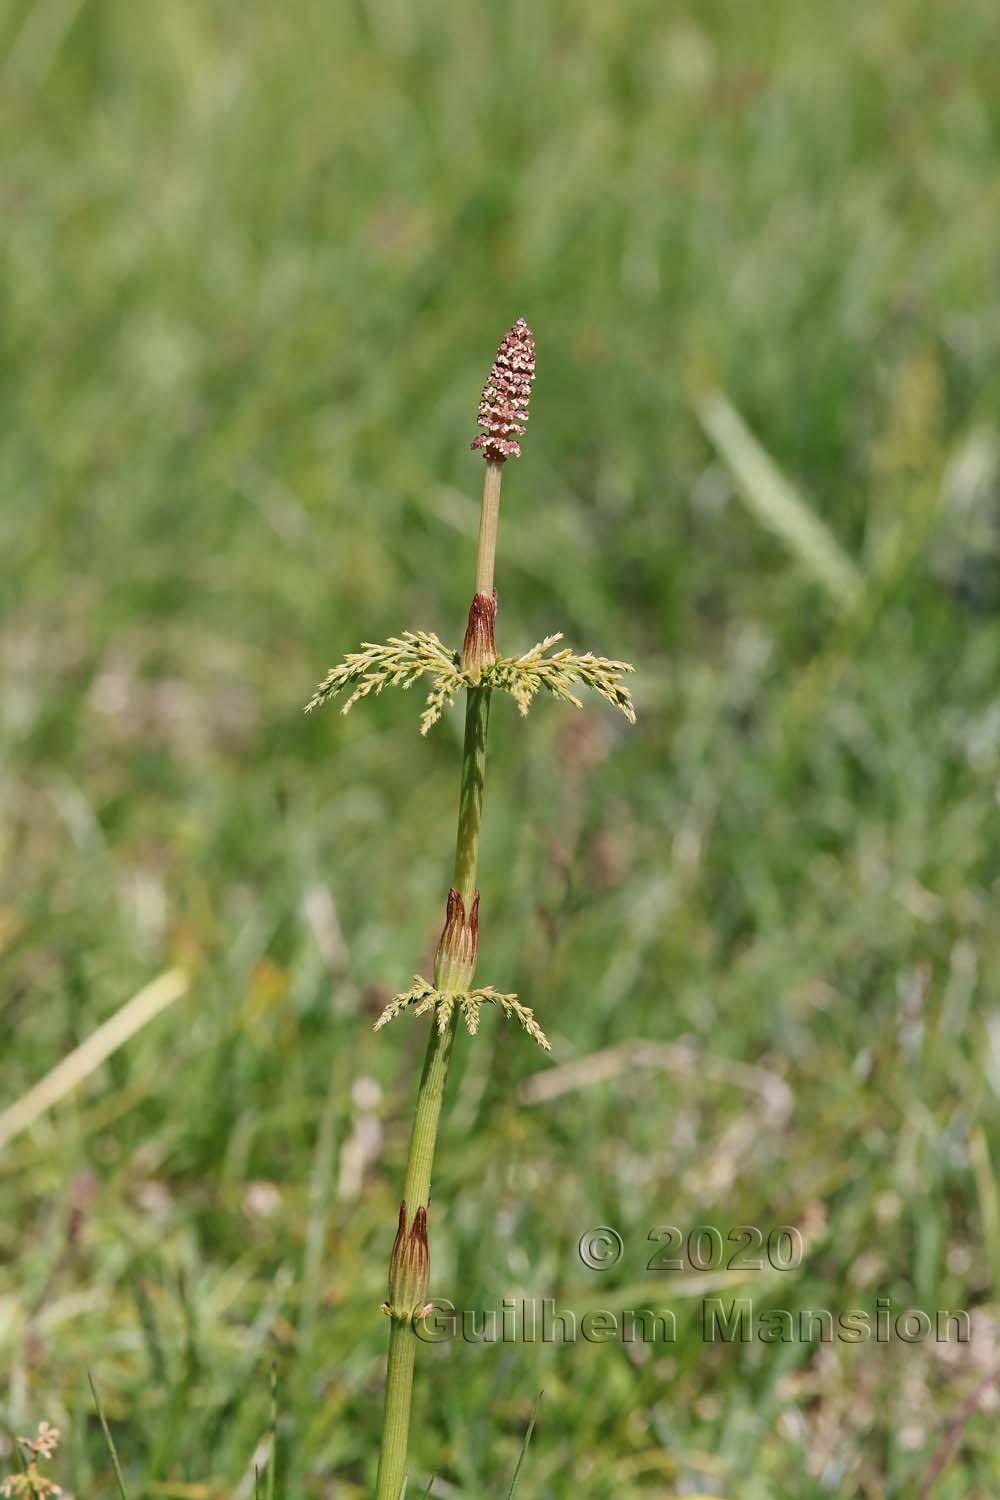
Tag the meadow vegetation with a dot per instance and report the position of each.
(254, 260)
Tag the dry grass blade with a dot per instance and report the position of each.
(777, 504)
(83, 1060)
(670, 1057)
(953, 1435)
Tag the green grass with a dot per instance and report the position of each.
(255, 263)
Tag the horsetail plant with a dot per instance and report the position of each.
(503, 412)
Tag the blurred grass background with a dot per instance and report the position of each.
(255, 264)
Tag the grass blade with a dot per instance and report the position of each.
(109, 1440)
(150, 1333)
(83, 1060)
(272, 1457)
(524, 1445)
(775, 502)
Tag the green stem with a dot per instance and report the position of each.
(396, 1423)
(423, 1137)
(489, 517)
(470, 801)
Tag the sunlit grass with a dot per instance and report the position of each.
(251, 260)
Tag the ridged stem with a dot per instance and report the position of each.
(489, 518)
(423, 1136)
(396, 1422)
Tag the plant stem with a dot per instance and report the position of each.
(423, 1136)
(396, 1421)
(488, 519)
